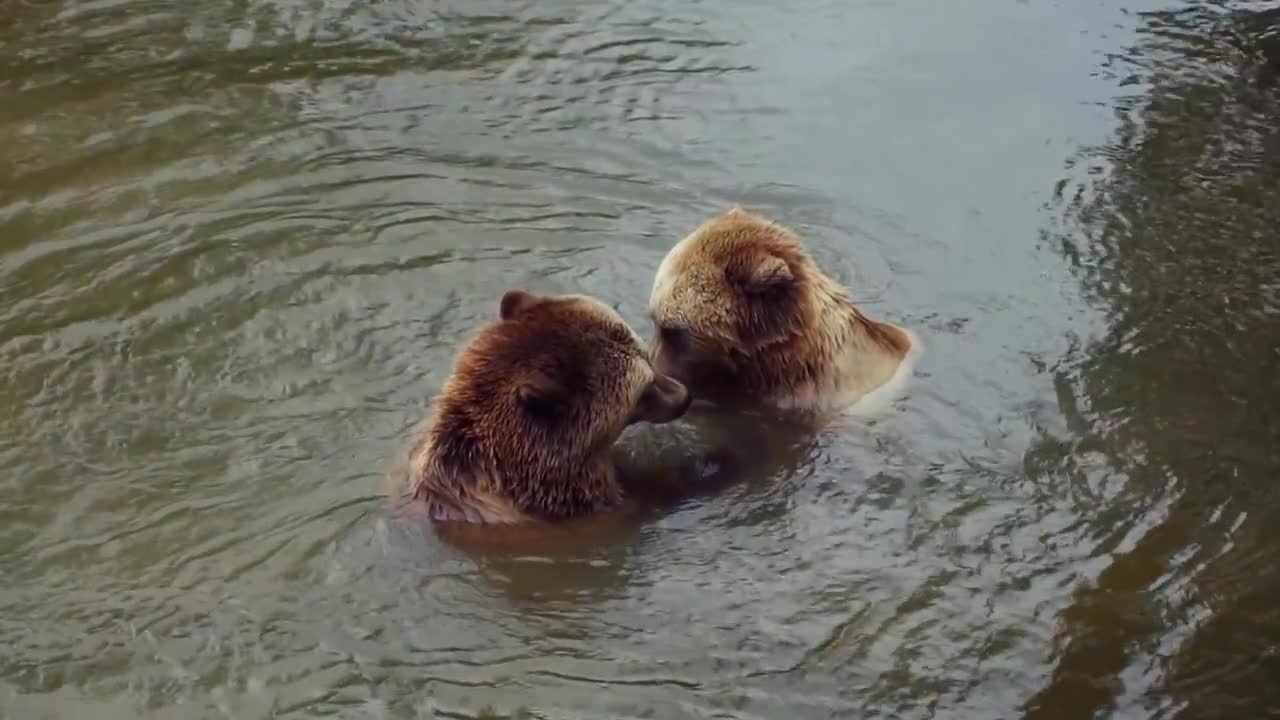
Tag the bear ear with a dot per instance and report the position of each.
(540, 394)
(513, 302)
(768, 274)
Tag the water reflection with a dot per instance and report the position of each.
(1175, 233)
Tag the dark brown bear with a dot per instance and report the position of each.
(525, 423)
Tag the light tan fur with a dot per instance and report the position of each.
(745, 316)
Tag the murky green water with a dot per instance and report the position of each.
(240, 241)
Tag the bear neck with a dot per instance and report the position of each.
(836, 357)
(474, 468)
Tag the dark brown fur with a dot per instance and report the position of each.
(523, 427)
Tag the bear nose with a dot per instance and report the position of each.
(674, 394)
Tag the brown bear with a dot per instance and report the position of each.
(745, 317)
(523, 428)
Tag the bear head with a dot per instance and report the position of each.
(535, 402)
(736, 307)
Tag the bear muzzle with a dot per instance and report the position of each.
(665, 399)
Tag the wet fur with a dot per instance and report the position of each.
(745, 317)
(523, 427)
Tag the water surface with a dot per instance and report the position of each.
(241, 241)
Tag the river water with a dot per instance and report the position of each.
(241, 240)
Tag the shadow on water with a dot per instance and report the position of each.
(1174, 412)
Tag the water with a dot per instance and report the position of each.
(240, 242)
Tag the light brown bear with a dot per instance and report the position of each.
(744, 317)
(523, 428)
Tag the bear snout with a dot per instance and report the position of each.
(665, 399)
(676, 396)
(665, 364)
